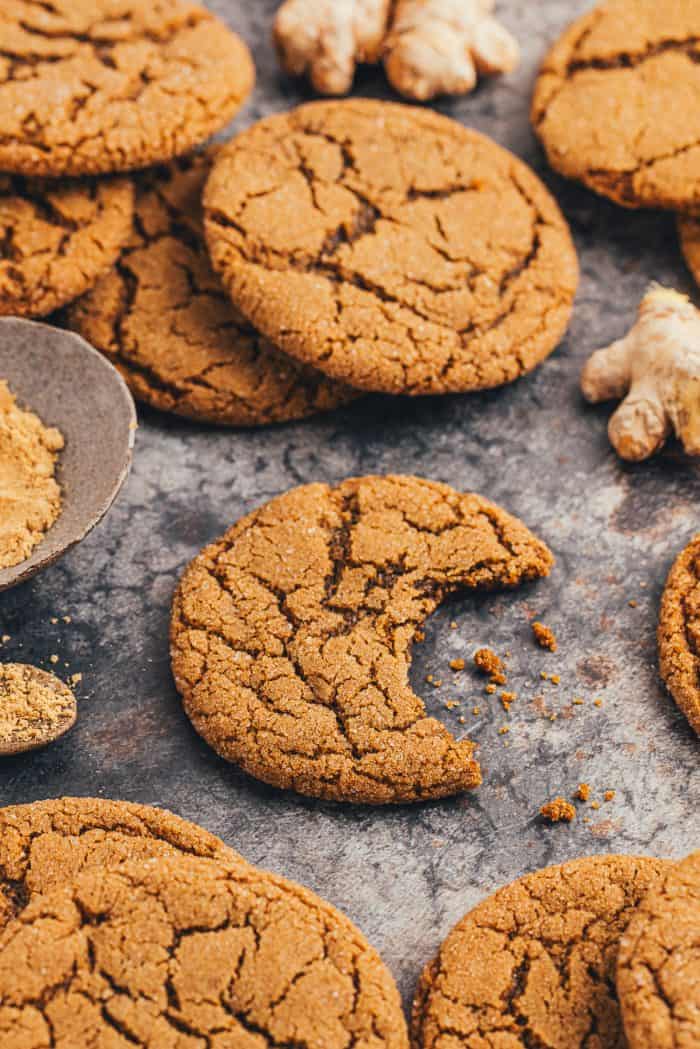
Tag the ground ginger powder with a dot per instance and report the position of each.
(30, 497)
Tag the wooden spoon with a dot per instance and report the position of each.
(68, 384)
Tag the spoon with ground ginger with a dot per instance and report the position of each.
(36, 708)
(67, 425)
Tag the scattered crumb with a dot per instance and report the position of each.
(597, 702)
(558, 810)
(490, 689)
(544, 675)
(419, 636)
(462, 720)
(503, 730)
(476, 711)
(609, 795)
(583, 793)
(75, 679)
(507, 698)
(54, 620)
(67, 619)
(451, 704)
(437, 683)
(53, 659)
(429, 678)
(632, 604)
(453, 625)
(555, 679)
(5, 638)
(487, 661)
(457, 664)
(595, 804)
(544, 637)
(577, 701)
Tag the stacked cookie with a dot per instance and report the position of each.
(617, 106)
(596, 952)
(122, 925)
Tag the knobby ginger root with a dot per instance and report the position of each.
(656, 368)
(327, 38)
(440, 46)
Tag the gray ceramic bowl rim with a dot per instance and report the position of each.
(80, 390)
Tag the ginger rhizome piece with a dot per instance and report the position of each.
(431, 47)
(327, 38)
(656, 369)
(438, 47)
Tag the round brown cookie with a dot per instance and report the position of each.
(291, 635)
(57, 238)
(48, 842)
(391, 247)
(189, 953)
(679, 632)
(534, 964)
(689, 235)
(94, 86)
(658, 966)
(617, 102)
(165, 321)
(36, 708)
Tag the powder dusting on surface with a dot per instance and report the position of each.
(30, 497)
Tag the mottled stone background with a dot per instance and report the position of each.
(406, 874)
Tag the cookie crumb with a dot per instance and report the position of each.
(488, 662)
(75, 679)
(597, 702)
(453, 625)
(504, 730)
(595, 804)
(609, 795)
(457, 664)
(544, 637)
(632, 604)
(476, 711)
(53, 658)
(584, 792)
(507, 698)
(559, 810)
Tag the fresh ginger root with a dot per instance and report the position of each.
(656, 368)
(433, 47)
(438, 47)
(327, 38)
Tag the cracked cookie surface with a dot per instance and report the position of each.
(95, 86)
(534, 964)
(49, 842)
(187, 953)
(689, 236)
(617, 103)
(658, 970)
(163, 318)
(57, 238)
(291, 635)
(679, 632)
(36, 708)
(340, 241)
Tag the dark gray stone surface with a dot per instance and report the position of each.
(406, 874)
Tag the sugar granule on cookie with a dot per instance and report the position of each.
(558, 810)
(656, 370)
(30, 501)
(441, 47)
(36, 708)
(544, 637)
(291, 635)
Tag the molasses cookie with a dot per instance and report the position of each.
(391, 247)
(49, 842)
(36, 708)
(617, 103)
(90, 88)
(689, 236)
(679, 632)
(658, 968)
(188, 953)
(291, 635)
(57, 238)
(534, 964)
(163, 318)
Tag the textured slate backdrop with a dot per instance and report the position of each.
(405, 875)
